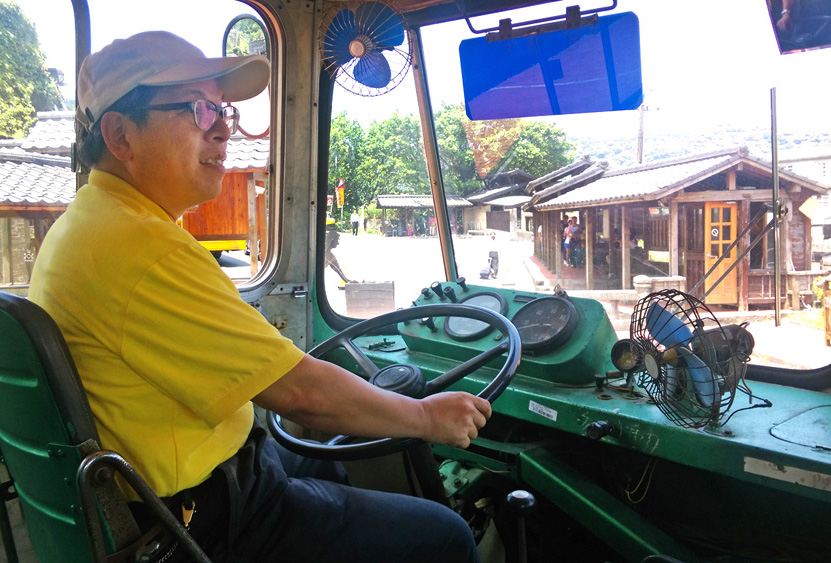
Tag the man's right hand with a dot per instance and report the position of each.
(454, 418)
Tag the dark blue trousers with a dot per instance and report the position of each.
(268, 504)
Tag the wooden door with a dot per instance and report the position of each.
(719, 233)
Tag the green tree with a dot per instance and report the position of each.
(539, 149)
(455, 151)
(26, 87)
(346, 150)
(393, 160)
(470, 150)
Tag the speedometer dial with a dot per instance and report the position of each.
(546, 323)
(464, 329)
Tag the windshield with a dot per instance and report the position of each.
(610, 205)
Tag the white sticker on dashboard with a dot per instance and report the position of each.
(542, 410)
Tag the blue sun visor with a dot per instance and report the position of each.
(591, 68)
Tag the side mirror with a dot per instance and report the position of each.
(245, 35)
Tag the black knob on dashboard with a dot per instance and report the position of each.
(451, 294)
(427, 293)
(463, 283)
(437, 289)
(428, 322)
(599, 429)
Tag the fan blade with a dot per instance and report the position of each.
(704, 384)
(666, 328)
(339, 34)
(380, 23)
(373, 70)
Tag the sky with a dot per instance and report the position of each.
(708, 64)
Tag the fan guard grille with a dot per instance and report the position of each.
(695, 397)
(398, 57)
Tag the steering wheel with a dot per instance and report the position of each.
(405, 378)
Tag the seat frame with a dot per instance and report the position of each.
(118, 538)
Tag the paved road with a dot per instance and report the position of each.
(415, 262)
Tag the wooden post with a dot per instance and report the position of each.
(253, 235)
(588, 247)
(6, 246)
(556, 236)
(787, 255)
(674, 247)
(742, 280)
(625, 254)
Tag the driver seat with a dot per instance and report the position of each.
(74, 510)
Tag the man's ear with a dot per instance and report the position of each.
(114, 129)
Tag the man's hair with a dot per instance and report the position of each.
(133, 104)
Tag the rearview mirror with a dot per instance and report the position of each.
(800, 26)
(591, 68)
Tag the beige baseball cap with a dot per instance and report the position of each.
(160, 58)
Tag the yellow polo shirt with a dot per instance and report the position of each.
(168, 352)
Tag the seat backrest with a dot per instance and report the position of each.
(46, 428)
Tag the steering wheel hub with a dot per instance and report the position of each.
(403, 379)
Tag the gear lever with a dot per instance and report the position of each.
(521, 503)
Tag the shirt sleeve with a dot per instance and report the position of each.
(189, 333)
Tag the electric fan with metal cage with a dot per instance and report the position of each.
(365, 46)
(688, 363)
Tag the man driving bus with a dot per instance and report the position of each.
(172, 358)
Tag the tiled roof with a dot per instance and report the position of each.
(488, 195)
(576, 167)
(31, 176)
(35, 179)
(656, 180)
(247, 154)
(54, 132)
(418, 201)
(511, 201)
(636, 182)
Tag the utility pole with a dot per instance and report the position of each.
(640, 134)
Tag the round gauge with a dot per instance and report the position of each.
(545, 323)
(464, 329)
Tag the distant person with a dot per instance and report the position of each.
(355, 219)
(332, 241)
(568, 233)
(576, 246)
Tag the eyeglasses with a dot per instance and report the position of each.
(205, 113)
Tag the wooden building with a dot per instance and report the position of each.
(34, 191)
(410, 214)
(498, 207)
(36, 185)
(677, 218)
